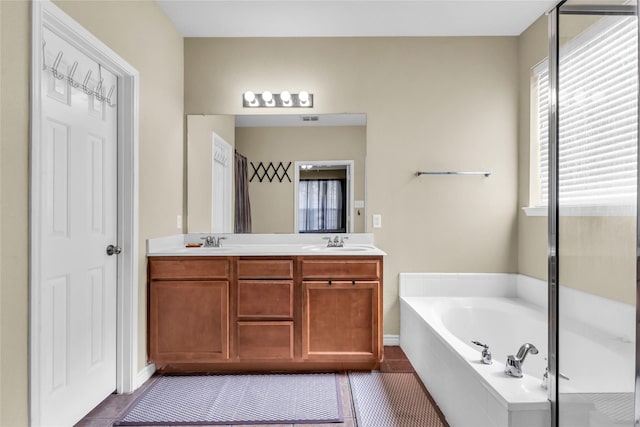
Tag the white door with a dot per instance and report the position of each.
(77, 283)
(222, 186)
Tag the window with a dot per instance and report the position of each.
(321, 206)
(598, 117)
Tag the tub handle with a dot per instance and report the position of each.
(486, 354)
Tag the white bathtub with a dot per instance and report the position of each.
(436, 334)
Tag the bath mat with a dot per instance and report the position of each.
(238, 399)
(391, 400)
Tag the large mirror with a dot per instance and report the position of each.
(305, 173)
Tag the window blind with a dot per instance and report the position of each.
(597, 116)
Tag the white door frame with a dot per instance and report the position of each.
(46, 14)
(347, 164)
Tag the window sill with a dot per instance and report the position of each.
(583, 210)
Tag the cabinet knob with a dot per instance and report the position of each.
(330, 283)
(353, 282)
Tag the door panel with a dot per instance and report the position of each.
(78, 206)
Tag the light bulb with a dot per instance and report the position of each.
(285, 96)
(267, 96)
(249, 97)
(303, 97)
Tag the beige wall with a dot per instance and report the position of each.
(1, 214)
(140, 33)
(533, 47)
(272, 202)
(431, 103)
(200, 129)
(14, 174)
(597, 253)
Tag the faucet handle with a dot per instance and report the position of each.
(486, 353)
(208, 241)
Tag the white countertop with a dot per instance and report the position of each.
(264, 245)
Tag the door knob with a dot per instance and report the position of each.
(111, 249)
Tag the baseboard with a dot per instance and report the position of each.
(145, 373)
(391, 340)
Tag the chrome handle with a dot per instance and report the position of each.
(113, 250)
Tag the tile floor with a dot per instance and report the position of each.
(113, 406)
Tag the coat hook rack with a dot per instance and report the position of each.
(97, 91)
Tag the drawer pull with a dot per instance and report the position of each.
(353, 283)
(330, 283)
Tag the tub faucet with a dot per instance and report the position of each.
(513, 366)
(486, 354)
(545, 377)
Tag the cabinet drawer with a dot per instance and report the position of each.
(265, 340)
(188, 268)
(341, 269)
(265, 269)
(265, 298)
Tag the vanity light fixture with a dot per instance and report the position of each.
(267, 97)
(285, 99)
(249, 98)
(304, 97)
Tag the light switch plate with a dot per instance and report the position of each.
(358, 204)
(179, 221)
(377, 221)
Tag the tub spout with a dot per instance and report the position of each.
(514, 364)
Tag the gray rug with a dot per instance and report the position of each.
(238, 399)
(391, 400)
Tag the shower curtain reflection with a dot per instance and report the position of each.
(243, 206)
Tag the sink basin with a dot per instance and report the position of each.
(205, 250)
(346, 248)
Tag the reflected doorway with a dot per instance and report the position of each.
(323, 196)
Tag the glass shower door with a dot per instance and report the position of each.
(595, 212)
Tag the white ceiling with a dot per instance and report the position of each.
(352, 18)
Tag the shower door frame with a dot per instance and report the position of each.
(553, 231)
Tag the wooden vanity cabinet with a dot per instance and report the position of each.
(342, 310)
(265, 309)
(297, 313)
(188, 310)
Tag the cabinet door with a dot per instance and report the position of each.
(188, 321)
(340, 320)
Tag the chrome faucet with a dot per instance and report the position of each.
(337, 242)
(486, 354)
(513, 366)
(212, 241)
